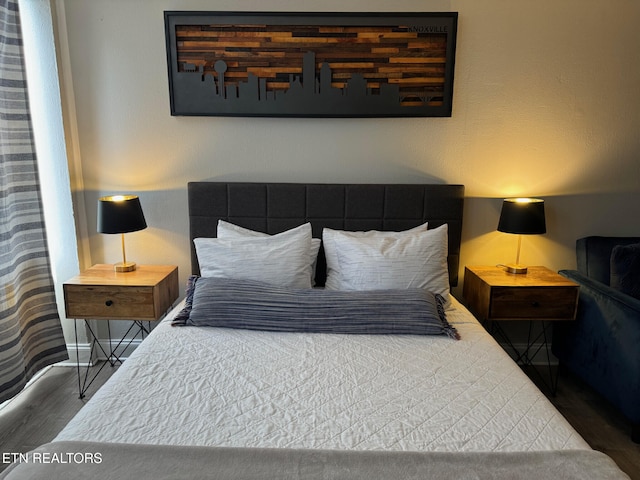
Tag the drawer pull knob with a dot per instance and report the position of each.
(535, 304)
(108, 303)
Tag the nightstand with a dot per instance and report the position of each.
(101, 293)
(540, 295)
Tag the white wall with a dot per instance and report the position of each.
(546, 103)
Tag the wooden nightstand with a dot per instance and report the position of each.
(101, 293)
(540, 295)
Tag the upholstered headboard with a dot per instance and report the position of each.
(275, 207)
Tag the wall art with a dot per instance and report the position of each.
(311, 64)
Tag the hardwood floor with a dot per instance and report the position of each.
(601, 425)
(44, 408)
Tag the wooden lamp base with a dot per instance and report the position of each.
(515, 268)
(125, 267)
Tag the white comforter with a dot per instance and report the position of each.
(224, 387)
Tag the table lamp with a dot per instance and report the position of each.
(522, 216)
(121, 214)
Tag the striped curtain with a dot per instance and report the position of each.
(30, 331)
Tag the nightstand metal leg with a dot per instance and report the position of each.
(535, 343)
(552, 383)
(84, 384)
(126, 342)
(111, 355)
(75, 328)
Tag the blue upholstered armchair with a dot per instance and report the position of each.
(603, 345)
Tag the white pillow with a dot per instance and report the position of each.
(415, 260)
(281, 259)
(330, 250)
(230, 230)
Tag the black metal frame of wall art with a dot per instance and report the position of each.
(311, 64)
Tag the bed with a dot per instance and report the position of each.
(354, 390)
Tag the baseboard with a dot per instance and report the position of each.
(78, 354)
(84, 357)
(539, 359)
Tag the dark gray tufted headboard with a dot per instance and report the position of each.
(275, 207)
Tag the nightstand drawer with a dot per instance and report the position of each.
(538, 303)
(111, 302)
(102, 293)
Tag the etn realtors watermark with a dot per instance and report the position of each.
(53, 458)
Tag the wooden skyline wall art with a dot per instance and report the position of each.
(311, 65)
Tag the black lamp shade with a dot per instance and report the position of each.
(120, 214)
(522, 216)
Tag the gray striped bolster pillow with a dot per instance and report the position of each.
(222, 302)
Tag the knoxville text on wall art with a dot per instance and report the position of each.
(311, 65)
